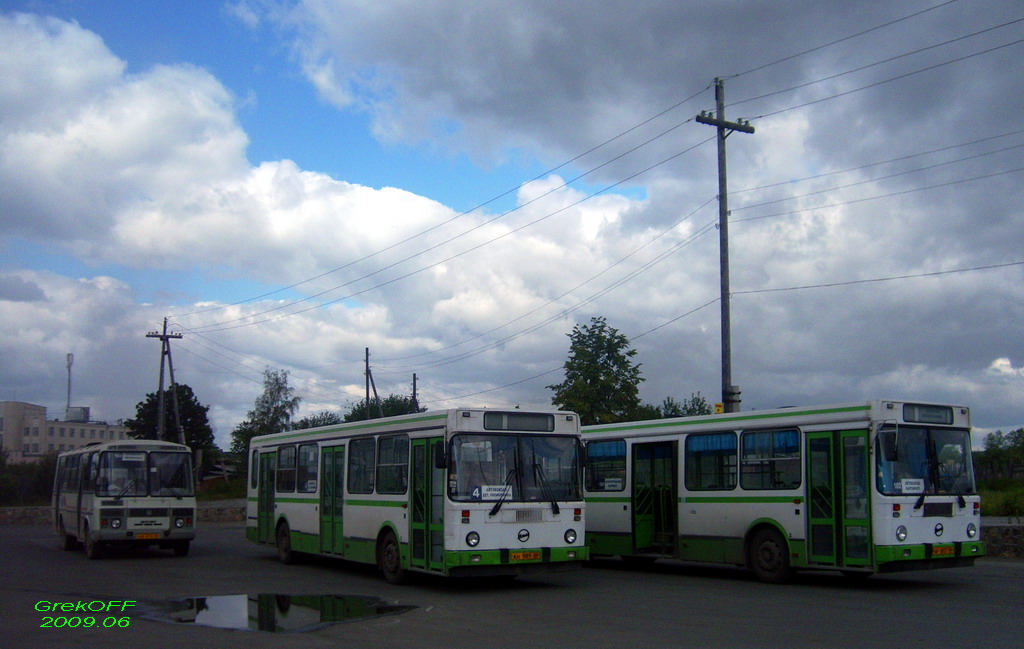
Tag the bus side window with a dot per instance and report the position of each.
(307, 471)
(606, 465)
(711, 461)
(361, 465)
(254, 469)
(71, 474)
(286, 468)
(88, 473)
(58, 477)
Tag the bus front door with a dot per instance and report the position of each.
(265, 498)
(332, 499)
(427, 494)
(838, 521)
(655, 497)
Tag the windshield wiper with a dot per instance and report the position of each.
(538, 474)
(129, 485)
(505, 493)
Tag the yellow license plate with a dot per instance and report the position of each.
(939, 552)
(524, 556)
(146, 537)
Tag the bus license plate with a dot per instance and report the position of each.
(524, 556)
(943, 551)
(147, 537)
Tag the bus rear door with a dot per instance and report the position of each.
(265, 498)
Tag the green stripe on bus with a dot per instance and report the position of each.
(609, 499)
(376, 503)
(375, 423)
(302, 501)
(796, 500)
(697, 421)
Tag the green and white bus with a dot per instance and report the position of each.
(132, 492)
(860, 488)
(456, 492)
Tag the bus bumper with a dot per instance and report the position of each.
(924, 556)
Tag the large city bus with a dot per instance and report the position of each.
(129, 492)
(860, 488)
(457, 492)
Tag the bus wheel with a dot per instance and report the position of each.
(181, 548)
(68, 542)
(390, 559)
(93, 547)
(769, 556)
(284, 544)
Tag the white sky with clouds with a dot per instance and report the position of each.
(292, 182)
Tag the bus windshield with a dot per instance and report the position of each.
(514, 468)
(919, 461)
(137, 473)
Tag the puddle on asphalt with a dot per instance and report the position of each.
(272, 613)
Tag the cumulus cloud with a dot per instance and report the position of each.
(148, 170)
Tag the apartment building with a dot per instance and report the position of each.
(27, 435)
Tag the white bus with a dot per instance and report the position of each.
(878, 486)
(456, 492)
(129, 492)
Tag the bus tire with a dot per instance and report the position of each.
(181, 548)
(389, 558)
(93, 547)
(68, 542)
(284, 544)
(769, 556)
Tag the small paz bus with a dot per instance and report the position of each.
(457, 492)
(860, 488)
(130, 492)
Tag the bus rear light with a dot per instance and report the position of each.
(896, 510)
(465, 515)
(577, 514)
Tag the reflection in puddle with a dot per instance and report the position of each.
(274, 613)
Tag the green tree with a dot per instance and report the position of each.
(322, 418)
(692, 407)
(194, 420)
(601, 382)
(392, 405)
(271, 413)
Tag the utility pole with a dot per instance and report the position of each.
(165, 352)
(370, 383)
(415, 402)
(730, 392)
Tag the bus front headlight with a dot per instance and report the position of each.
(972, 530)
(179, 522)
(115, 523)
(901, 533)
(472, 539)
(570, 536)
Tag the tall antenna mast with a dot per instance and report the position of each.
(67, 409)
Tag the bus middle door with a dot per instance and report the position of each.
(427, 494)
(332, 499)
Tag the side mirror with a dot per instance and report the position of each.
(440, 457)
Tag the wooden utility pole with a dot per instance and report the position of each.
(165, 352)
(730, 392)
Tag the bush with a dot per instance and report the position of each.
(223, 490)
(1009, 502)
